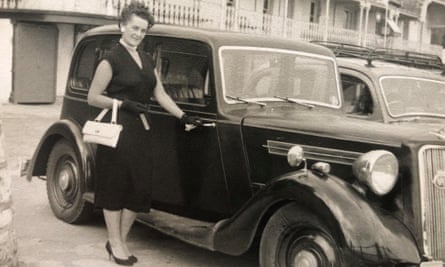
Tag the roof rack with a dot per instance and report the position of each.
(407, 58)
(343, 49)
(415, 59)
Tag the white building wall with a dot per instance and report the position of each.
(426, 38)
(302, 10)
(6, 31)
(339, 15)
(249, 5)
(64, 52)
(414, 29)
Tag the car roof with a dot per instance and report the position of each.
(381, 68)
(218, 38)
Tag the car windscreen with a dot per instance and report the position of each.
(263, 74)
(411, 96)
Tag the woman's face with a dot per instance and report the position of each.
(133, 31)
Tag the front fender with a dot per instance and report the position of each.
(62, 129)
(363, 229)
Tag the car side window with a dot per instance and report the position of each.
(184, 68)
(88, 58)
(357, 97)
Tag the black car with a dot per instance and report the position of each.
(278, 160)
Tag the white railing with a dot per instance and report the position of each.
(214, 14)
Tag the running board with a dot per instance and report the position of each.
(198, 233)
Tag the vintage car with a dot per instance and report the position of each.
(277, 163)
(389, 85)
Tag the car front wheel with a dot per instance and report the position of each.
(294, 237)
(66, 184)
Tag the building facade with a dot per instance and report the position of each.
(40, 34)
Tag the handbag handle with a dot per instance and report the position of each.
(113, 114)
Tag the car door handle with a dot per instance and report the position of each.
(189, 127)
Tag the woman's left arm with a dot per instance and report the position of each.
(165, 100)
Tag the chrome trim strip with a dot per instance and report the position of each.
(318, 134)
(332, 155)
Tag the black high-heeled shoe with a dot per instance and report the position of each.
(125, 262)
(133, 258)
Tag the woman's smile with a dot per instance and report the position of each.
(134, 30)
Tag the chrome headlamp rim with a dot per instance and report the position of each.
(363, 169)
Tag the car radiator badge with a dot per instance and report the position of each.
(439, 179)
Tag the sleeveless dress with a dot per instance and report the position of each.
(124, 174)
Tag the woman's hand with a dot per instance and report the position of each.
(191, 120)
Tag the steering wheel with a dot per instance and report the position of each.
(255, 79)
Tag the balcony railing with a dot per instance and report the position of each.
(214, 14)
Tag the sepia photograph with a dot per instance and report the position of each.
(222, 133)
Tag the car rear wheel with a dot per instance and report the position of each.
(66, 184)
(294, 237)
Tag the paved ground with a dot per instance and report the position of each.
(45, 241)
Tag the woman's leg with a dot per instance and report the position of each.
(127, 220)
(113, 222)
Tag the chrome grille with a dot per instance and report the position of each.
(432, 176)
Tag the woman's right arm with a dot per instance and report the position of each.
(101, 79)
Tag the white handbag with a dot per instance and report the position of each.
(103, 133)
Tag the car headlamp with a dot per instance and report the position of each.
(378, 169)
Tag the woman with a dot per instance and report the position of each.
(123, 174)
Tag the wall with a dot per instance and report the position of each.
(302, 10)
(414, 29)
(6, 30)
(250, 5)
(64, 52)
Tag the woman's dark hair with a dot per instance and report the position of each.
(136, 8)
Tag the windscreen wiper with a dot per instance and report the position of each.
(292, 100)
(247, 101)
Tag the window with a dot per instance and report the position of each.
(290, 9)
(357, 97)
(262, 74)
(88, 58)
(313, 15)
(349, 19)
(184, 69)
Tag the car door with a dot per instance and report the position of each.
(189, 178)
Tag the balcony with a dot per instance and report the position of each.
(214, 14)
(95, 7)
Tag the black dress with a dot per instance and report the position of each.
(123, 174)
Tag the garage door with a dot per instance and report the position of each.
(35, 54)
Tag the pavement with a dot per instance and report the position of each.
(44, 241)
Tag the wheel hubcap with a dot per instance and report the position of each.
(308, 248)
(64, 180)
(305, 259)
(67, 182)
